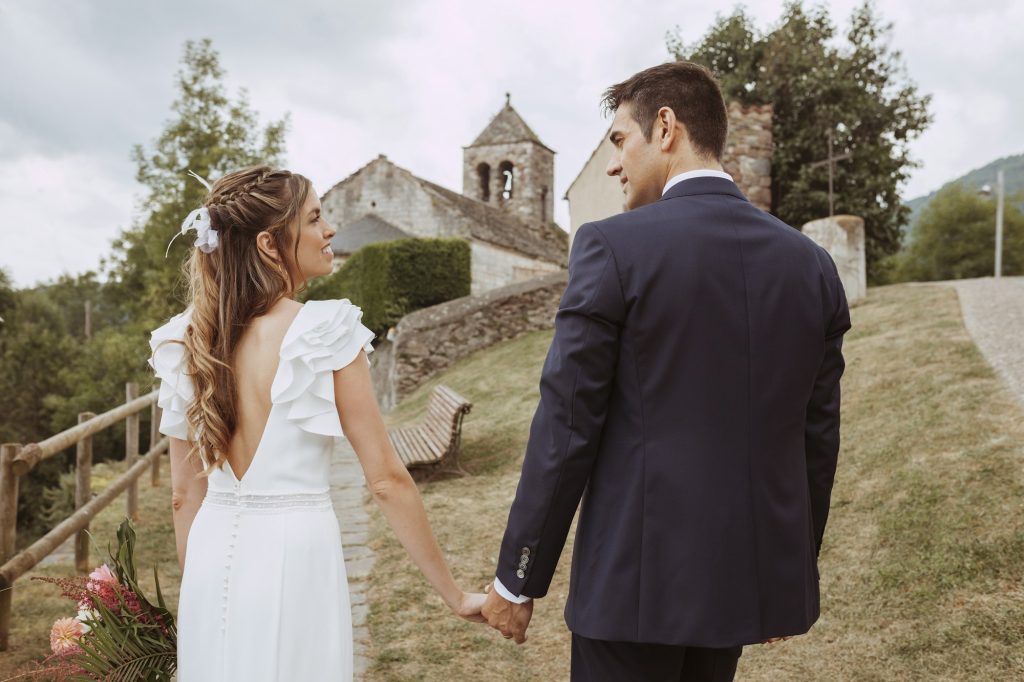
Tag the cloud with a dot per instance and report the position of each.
(55, 210)
(414, 80)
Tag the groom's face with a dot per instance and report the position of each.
(637, 162)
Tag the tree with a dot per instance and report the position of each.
(858, 91)
(34, 347)
(7, 297)
(49, 371)
(954, 238)
(210, 135)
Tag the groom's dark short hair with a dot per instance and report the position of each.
(692, 93)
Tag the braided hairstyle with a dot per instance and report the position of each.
(230, 286)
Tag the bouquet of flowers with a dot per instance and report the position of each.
(118, 634)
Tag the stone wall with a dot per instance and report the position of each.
(433, 339)
(748, 152)
(390, 192)
(593, 195)
(843, 237)
(494, 267)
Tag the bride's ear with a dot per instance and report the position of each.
(265, 243)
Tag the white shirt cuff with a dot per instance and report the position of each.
(503, 591)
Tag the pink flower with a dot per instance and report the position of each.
(103, 574)
(64, 636)
(131, 600)
(103, 586)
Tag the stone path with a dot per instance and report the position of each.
(993, 312)
(348, 492)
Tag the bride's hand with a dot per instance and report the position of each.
(469, 607)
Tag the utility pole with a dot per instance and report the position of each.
(88, 320)
(1000, 191)
(986, 191)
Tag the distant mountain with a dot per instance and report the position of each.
(1013, 172)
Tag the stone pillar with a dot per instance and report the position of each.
(748, 152)
(843, 237)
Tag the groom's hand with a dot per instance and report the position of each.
(511, 620)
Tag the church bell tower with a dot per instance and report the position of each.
(507, 166)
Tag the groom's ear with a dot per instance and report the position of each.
(668, 129)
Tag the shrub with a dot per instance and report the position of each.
(389, 280)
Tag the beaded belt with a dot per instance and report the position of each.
(270, 503)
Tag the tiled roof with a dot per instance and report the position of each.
(491, 224)
(507, 127)
(369, 229)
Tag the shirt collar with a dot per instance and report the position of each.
(700, 173)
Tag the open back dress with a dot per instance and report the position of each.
(264, 595)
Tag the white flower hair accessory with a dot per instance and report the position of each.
(207, 238)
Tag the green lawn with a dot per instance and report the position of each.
(924, 554)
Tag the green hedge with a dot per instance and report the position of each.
(388, 280)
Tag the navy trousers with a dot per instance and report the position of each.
(595, 660)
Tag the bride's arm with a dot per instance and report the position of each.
(187, 493)
(392, 487)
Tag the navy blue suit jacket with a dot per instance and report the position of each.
(691, 398)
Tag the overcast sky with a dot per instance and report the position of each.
(84, 80)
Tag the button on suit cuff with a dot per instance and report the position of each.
(503, 591)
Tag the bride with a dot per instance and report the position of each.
(255, 387)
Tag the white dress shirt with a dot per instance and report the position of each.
(700, 173)
(674, 180)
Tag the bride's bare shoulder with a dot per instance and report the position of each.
(275, 321)
(283, 310)
(287, 305)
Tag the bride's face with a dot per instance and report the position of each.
(315, 257)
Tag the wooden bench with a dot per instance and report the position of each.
(433, 443)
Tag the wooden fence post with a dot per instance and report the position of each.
(154, 436)
(83, 493)
(8, 532)
(131, 450)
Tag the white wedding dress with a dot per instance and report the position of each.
(264, 594)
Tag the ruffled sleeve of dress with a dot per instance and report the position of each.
(168, 360)
(325, 336)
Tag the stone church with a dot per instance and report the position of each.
(505, 209)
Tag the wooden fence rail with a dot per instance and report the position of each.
(16, 461)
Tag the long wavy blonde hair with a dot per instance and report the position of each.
(233, 284)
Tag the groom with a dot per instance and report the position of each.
(691, 398)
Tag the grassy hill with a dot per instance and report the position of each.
(923, 558)
(1013, 171)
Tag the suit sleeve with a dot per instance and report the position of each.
(566, 429)
(822, 431)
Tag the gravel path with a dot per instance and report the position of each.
(993, 311)
(348, 490)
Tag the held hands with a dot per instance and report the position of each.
(511, 620)
(469, 605)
